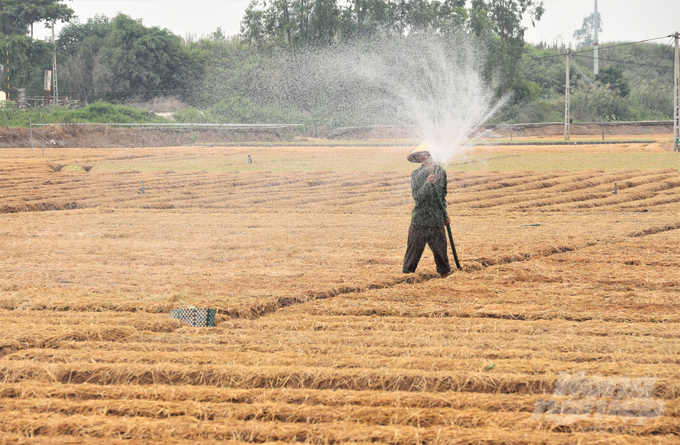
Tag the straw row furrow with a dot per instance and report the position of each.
(552, 200)
(475, 417)
(655, 230)
(575, 181)
(45, 425)
(493, 182)
(331, 397)
(531, 363)
(352, 357)
(662, 199)
(504, 189)
(352, 326)
(409, 344)
(17, 439)
(47, 338)
(269, 412)
(606, 200)
(292, 377)
(51, 394)
(236, 376)
(145, 322)
(516, 312)
(652, 178)
(560, 184)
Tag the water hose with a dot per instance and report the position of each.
(448, 226)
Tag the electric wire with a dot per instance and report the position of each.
(638, 78)
(582, 74)
(668, 47)
(642, 76)
(589, 50)
(530, 58)
(627, 62)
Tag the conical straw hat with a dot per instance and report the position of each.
(423, 148)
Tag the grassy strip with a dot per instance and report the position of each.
(333, 143)
(100, 112)
(537, 162)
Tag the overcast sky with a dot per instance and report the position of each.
(624, 20)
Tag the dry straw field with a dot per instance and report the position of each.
(568, 298)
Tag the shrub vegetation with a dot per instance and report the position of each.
(230, 79)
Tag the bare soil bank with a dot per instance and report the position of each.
(104, 136)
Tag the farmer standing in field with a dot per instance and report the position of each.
(427, 219)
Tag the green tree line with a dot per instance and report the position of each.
(232, 79)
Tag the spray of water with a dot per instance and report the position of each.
(429, 83)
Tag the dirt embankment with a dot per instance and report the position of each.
(583, 128)
(105, 136)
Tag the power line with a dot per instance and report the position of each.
(582, 74)
(633, 43)
(575, 54)
(589, 50)
(638, 77)
(624, 61)
(651, 68)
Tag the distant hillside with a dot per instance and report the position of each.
(646, 77)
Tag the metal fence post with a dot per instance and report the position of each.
(30, 124)
(43, 137)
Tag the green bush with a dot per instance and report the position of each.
(540, 110)
(239, 110)
(100, 112)
(614, 78)
(525, 91)
(194, 116)
(591, 104)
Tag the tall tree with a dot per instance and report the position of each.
(72, 36)
(584, 36)
(144, 61)
(435, 16)
(18, 16)
(82, 69)
(361, 18)
(290, 22)
(252, 26)
(27, 60)
(27, 57)
(323, 21)
(502, 19)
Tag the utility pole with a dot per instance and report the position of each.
(567, 119)
(676, 102)
(54, 68)
(597, 25)
(7, 67)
